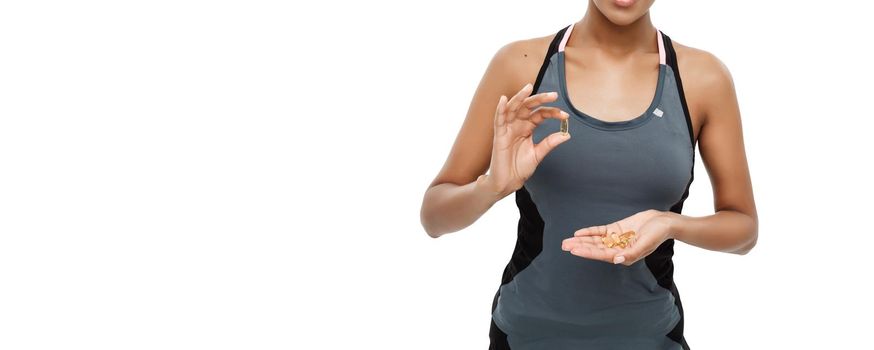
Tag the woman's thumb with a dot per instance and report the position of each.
(549, 143)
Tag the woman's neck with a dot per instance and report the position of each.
(596, 30)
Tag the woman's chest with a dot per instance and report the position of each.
(647, 167)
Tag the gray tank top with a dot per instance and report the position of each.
(551, 299)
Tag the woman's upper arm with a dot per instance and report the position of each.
(721, 141)
(509, 70)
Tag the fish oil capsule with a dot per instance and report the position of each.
(613, 239)
(607, 241)
(626, 238)
(564, 126)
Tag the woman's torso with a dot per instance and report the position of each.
(608, 170)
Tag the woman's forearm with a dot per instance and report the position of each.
(449, 207)
(726, 231)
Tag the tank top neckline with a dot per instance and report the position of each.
(603, 124)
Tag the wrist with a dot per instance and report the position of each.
(487, 188)
(674, 222)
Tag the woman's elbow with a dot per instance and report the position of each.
(426, 219)
(753, 239)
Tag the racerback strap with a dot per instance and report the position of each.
(553, 48)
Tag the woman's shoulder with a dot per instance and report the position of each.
(701, 69)
(520, 60)
(526, 47)
(707, 82)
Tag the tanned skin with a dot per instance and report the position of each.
(614, 48)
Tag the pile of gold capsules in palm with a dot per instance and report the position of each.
(618, 240)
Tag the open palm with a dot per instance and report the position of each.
(651, 229)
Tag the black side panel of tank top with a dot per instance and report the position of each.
(529, 239)
(660, 261)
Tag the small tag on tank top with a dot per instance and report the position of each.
(658, 112)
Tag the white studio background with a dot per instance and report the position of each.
(248, 175)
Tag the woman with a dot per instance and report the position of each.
(592, 267)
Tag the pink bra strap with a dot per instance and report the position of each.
(661, 47)
(567, 35)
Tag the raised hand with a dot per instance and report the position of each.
(514, 154)
(651, 228)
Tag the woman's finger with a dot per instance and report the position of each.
(542, 148)
(591, 247)
(501, 116)
(629, 258)
(638, 250)
(590, 231)
(538, 115)
(539, 99)
(516, 101)
(569, 243)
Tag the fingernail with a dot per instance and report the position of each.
(619, 259)
(553, 94)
